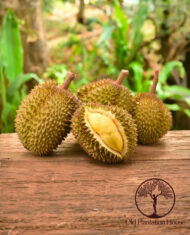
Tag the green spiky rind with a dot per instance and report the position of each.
(110, 93)
(88, 141)
(85, 89)
(152, 117)
(43, 118)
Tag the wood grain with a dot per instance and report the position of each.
(70, 193)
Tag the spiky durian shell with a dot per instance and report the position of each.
(90, 144)
(85, 89)
(106, 92)
(43, 118)
(152, 117)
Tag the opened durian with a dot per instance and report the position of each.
(43, 118)
(107, 92)
(106, 133)
(152, 116)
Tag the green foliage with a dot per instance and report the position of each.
(12, 90)
(126, 37)
(136, 37)
(48, 5)
(85, 69)
(166, 92)
(172, 92)
(57, 72)
(119, 48)
(168, 68)
(137, 76)
(11, 48)
(119, 36)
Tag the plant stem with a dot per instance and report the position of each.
(155, 82)
(3, 123)
(121, 77)
(70, 76)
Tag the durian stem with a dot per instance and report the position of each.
(155, 82)
(70, 76)
(121, 77)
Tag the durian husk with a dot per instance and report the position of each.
(89, 141)
(85, 89)
(152, 117)
(44, 117)
(106, 92)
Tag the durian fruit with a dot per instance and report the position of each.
(44, 117)
(152, 116)
(107, 92)
(106, 133)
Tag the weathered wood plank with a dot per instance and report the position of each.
(175, 145)
(70, 193)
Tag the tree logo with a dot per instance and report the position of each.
(155, 198)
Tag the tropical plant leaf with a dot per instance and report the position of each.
(167, 70)
(21, 79)
(119, 35)
(2, 83)
(174, 89)
(136, 35)
(147, 81)
(173, 107)
(138, 22)
(187, 112)
(8, 114)
(106, 34)
(138, 75)
(11, 46)
(187, 100)
(120, 19)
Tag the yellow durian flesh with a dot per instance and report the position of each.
(102, 148)
(107, 130)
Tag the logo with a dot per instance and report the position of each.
(155, 198)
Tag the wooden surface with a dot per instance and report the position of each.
(70, 193)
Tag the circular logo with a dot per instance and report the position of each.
(155, 198)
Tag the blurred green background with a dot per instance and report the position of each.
(41, 39)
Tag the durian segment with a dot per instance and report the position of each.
(91, 141)
(43, 118)
(106, 92)
(107, 130)
(152, 117)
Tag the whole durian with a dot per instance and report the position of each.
(43, 118)
(152, 116)
(107, 92)
(106, 133)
